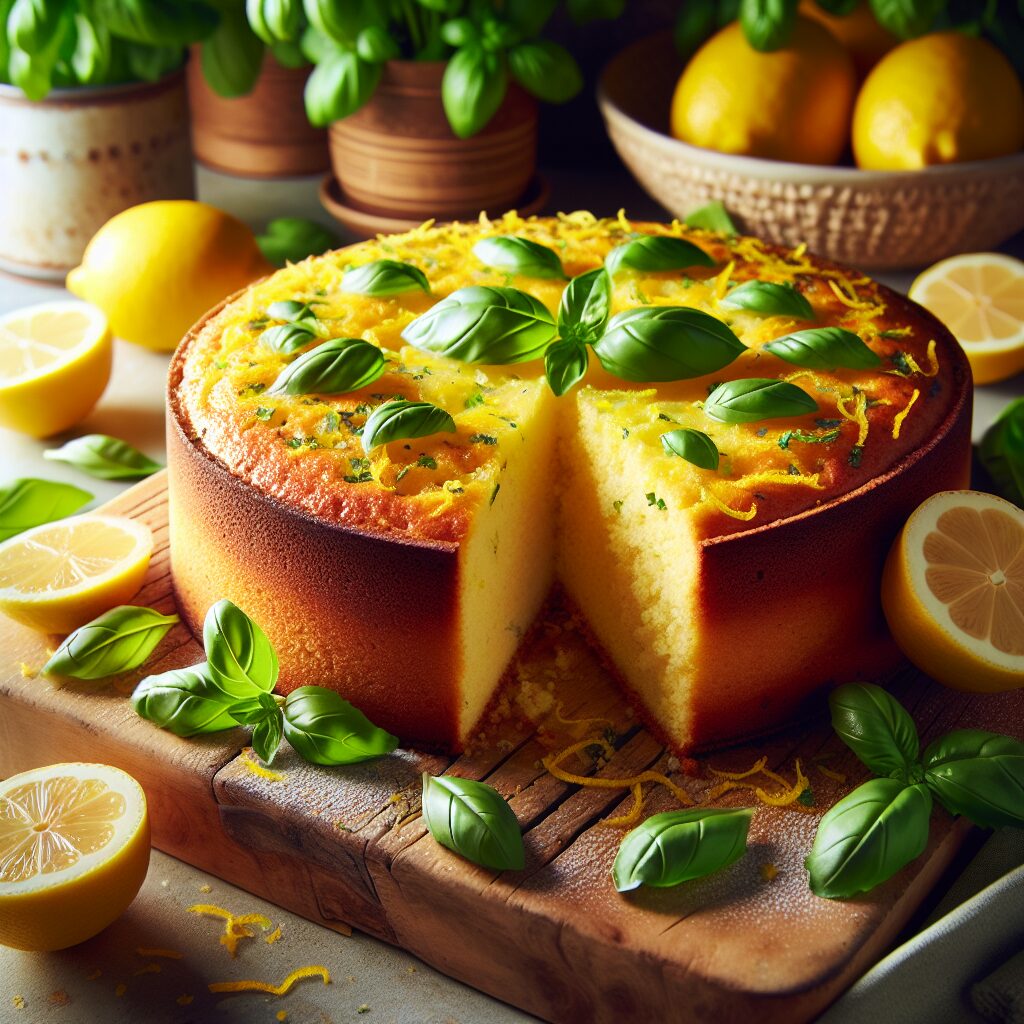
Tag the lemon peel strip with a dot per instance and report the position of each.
(712, 499)
(312, 971)
(246, 758)
(857, 415)
(898, 419)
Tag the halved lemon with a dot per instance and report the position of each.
(58, 576)
(54, 364)
(980, 298)
(953, 591)
(74, 851)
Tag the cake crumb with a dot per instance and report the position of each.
(120, 990)
(184, 999)
(165, 884)
(18, 1002)
(206, 888)
(412, 970)
(768, 872)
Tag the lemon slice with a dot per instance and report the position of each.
(54, 365)
(953, 591)
(57, 576)
(74, 850)
(980, 298)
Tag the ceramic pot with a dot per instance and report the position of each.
(68, 163)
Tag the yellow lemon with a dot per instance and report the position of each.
(58, 576)
(155, 269)
(791, 104)
(940, 99)
(953, 591)
(54, 364)
(74, 851)
(858, 32)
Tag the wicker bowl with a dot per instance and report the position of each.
(877, 219)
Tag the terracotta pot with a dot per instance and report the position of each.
(398, 155)
(262, 135)
(70, 162)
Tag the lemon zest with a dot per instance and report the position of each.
(447, 497)
(622, 219)
(897, 422)
(915, 366)
(819, 382)
(273, 937)
(120, 990)
(148, 969)
(299, 974)
(787, 797)
(633, 814)
(722, 281)
(18, 1002)
(847, 295)
(27, 671)
(799, 251)
(858, 415)
(768, 872)
(712, 499)
(379, 463)
(830, 774)
(258, 769)
(170, 954)
(209, 910)
(757, 766)
(790, 792)
(768, 476)
(562, 720)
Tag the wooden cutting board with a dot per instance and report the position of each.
(344, 846)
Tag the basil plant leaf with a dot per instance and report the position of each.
(287, 339)
(868, 836)
(662, 343)
(157, 23)
(547, 70)
(253, 709)
(31, 24)
(906, 19)
(767, 24)
(184, 701)
(518, 256)
(292, 239)
(656, 252)
(769, 298)
(241, 659)
(979, 775)
(400, 419)
(824, 348)
(713, 216)
(473, 86)
(565, 365)
(484, 325)
(105, 457)
(336, 366)
(1002, 452)
(474, 820)
(232, 57)
(876, 727)
(93, 50)
(29, 502)
(384, 277)
(274, 21)
(324, 728)
(115, 642)
(290, 310)
(750, 399)
(338, 86)
(266, 735)
(585, 306)
(375, 45)
(693, 445)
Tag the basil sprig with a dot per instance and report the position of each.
(29, 502)
(585, 306)
(769, 298)
(565, 364)
(291, 239)
(263, 713)
(287, 339)
(384, 277)
(876, 727)
(115, 642)
(692, 445)
(750, 399)
(336, 366)
(400, 419)
(185, 701)
(520, 256)
(654, 253)
(678, 846)
(1002, 452)
(242, 661)
(324, 728)
(824, 348)
(712, 217)
(474, 820)
(105, 457)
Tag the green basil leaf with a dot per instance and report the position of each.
(824, 348)
(333, 368)
(115, 642)
(253, 709)
(458, 32)
(756, 398)
(712, 217)
(767, 24)
(867, 837)
(769, 298)
(656, 252)
(292, 239)
(565, 364)
(518, 256)
(472, 89)
(384, 277)
(979, 775)
(151, 63)
(695, 24)
(484, 325)
(286, 339)
(290, 310)
(661, 343)
(474, 820)
(530, 16)
(29, 502)
(275, 21)
(1002, 452)
(93, 51)
(545, 69)
(678, 846)
(232, 56)
(338, 86)
(184, 701)
(400, 419)
(585, 306)
(31, 24)
(876, 727)
(374, 44)
(156, 22)
(906, 18)
(266, 735)
(693, 445)
(325, 729)
(105, 457)
(34, 73)
(241, 659)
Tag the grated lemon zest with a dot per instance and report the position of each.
(633, 814)
(18, 1002)
(819, 382)
(847, 295)
(313, 971)
(447, 498)
(799, 251)
(858, 415)
(273, 937)
(170, 954)
(830, 774)
(209, 910)
(769, 476)
(623, 220)
(897, 422)
(562, 720)
(712, 499)
(257, 769)
(722, 281)
(27, 671)
(790, 793)
(787, 797)
(735, 776)
(768, 872)
(380, 462)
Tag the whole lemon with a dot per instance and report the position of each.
(858, 32)
(940, 99)
(154, 269)
(790, 104)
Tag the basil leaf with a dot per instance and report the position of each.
(31, 24)
(159, 23)
(585, 306)
(150, 63)
(459, 32)
(374, 44)
(399, 419)
(266, 735)
(1002, 452)
(867, 837)
(115, 642)
(876, 727)
(714, 216)
(384, 277)
(906, 18)
(338, 21)
(286, 339)
(290, 310)
(979, 775)
(275, 21)
(565, 364)
(545, 69)
(105, 457)
(750, 399)
(767, 24)
(253, 709)
(241, 658)
(484, 325)
(769, 298)
(184, 701)
(656, 252)
(695, 24)
(29, 502)
(824, 348)
(474, 820)
(232, 56)
(325, 729)
(518, 256)
(693, 445)
(292, 239)
(661, 343)
(678, 846)
(338, 86)
(336, 366)
(473, 86)
(91, 58)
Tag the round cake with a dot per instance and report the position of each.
(388, 455)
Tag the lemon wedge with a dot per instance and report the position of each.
(74, 851)
(60, 575)
(980, 298)
(953, 591)
(54, 364)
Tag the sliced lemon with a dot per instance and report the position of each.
(74, 851)
(54, 365)
(980, 298)
(953, 591)
(58, 576)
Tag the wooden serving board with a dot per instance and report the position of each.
(344, 847)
